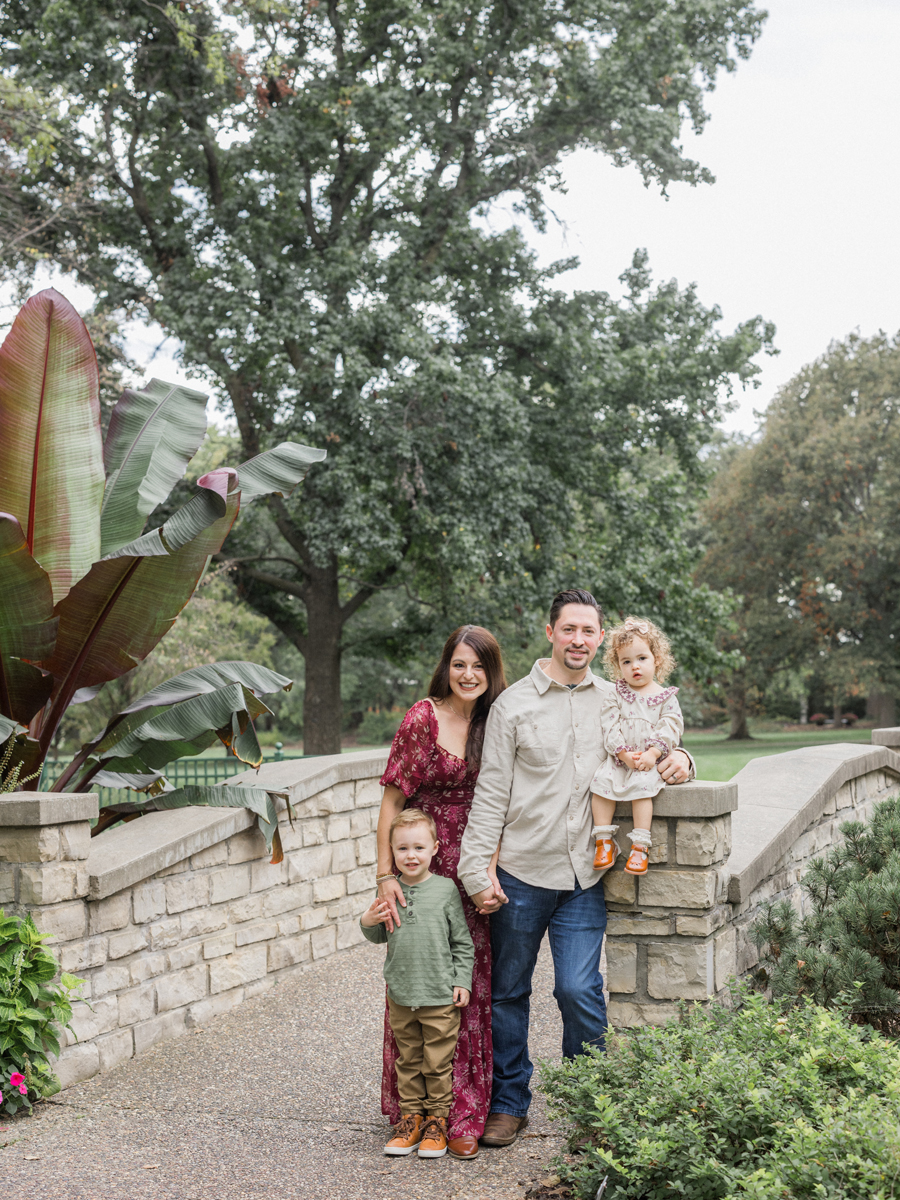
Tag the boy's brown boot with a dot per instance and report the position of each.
(407, 1134)
(434, 1138)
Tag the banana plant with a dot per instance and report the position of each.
(86, 593)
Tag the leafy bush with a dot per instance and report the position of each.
(761, 1100)
(846, 948)
(378, 728)
(33, 1013)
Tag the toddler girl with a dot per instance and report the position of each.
(641, 723)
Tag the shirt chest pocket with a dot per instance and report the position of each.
(535, 748)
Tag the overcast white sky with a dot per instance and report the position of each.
(801, 225)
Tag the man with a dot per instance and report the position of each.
(542, 744)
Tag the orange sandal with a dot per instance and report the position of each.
(637, 861)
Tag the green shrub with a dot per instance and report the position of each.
(846, 948)
(33, 1013)
(761, 1100)
(378, 728)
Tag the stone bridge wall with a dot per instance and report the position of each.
(179, 916)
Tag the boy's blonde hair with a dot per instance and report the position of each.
(623, 635)
(412, 816)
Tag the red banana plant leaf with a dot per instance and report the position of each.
(52, 479)
(27, 626)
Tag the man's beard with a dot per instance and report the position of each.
(573, 666)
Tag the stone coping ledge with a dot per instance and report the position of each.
(305, 777)
(48, 808)
(700, 798)
(889, 736)
(781, 795)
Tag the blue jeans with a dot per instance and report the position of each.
(576, 921)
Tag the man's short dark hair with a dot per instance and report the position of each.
(573, 596)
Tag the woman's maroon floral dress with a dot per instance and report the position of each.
(442, 785)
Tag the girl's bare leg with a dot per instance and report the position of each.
(642, 812)
(604, 810)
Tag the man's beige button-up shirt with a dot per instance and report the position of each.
(542, 744)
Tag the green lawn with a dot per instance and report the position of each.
(717, 758)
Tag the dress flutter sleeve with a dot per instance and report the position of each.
(669, 727)
(411, 750)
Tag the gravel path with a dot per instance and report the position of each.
(278, 1099)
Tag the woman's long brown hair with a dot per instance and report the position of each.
(485, 645)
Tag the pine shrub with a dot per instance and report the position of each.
(770, 1100)
(845, 950)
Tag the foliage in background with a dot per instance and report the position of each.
(297, 192)
(803, 525)
(762, 1100)
(34, 1012)
(846, 947)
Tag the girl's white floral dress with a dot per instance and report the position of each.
(631, 721)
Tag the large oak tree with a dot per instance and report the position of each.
(300, 192)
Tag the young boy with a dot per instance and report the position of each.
(428, 971)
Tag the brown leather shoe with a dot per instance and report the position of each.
(434, 1138)
(502, 1129)
(407, 1135)
(465, 1146)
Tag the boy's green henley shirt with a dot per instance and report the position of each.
(432, 952)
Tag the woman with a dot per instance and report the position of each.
(433, 765)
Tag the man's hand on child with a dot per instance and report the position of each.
(460, 997)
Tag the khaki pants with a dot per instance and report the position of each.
(426, 1040)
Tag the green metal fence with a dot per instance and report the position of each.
(203, 772)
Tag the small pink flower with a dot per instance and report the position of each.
(1, 1097)
(24, 1090)
(17, 1079)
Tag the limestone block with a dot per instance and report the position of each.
(348, 934)
(66, 922)
(212, 856)
(702, 843)
(368, 793)
(621, 966)
(313, 918)
(701, 926)
(291, 836)
(618, 887)
(53, 883)
(116, 1048)
(830, 807)
(339, 798)
(147, 966)
(626, 1014)
(359, 824)
(217, 946)
(311, 863)
(360, 880)
(680, 970)
(239, 968)
(128, 942)
(366, 850)
(287, 952)
(350, 906)
(29, 843)
(90, 1020)
(259, 986)
(628, 925)
(74, 841)
(283, 899)
(110, 979)
(343, 857)
(149, 901)
(247, 845)
(313, 833)
(168, 1025)
(289, 927)
(81, 956)
(250, 907)
(265, 875)
(137, 1004)
(331, 888)
(678, 889)
(324, 941)
(200, 921)
(229, 883)
(844, 797)
(186, 891)
(184, 956)
(8, 879)
(213, 1006)
(164, 934)
(184, 987)
(802, 848)
(338, 829)
(112, 913)
(248, 934)
(77, 1063)
(725, 956)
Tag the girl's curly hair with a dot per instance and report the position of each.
(623, 635)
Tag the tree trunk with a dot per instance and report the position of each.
(836, 709)
(737, 708)
(322, 709)
(804, 710)
(881, 707)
